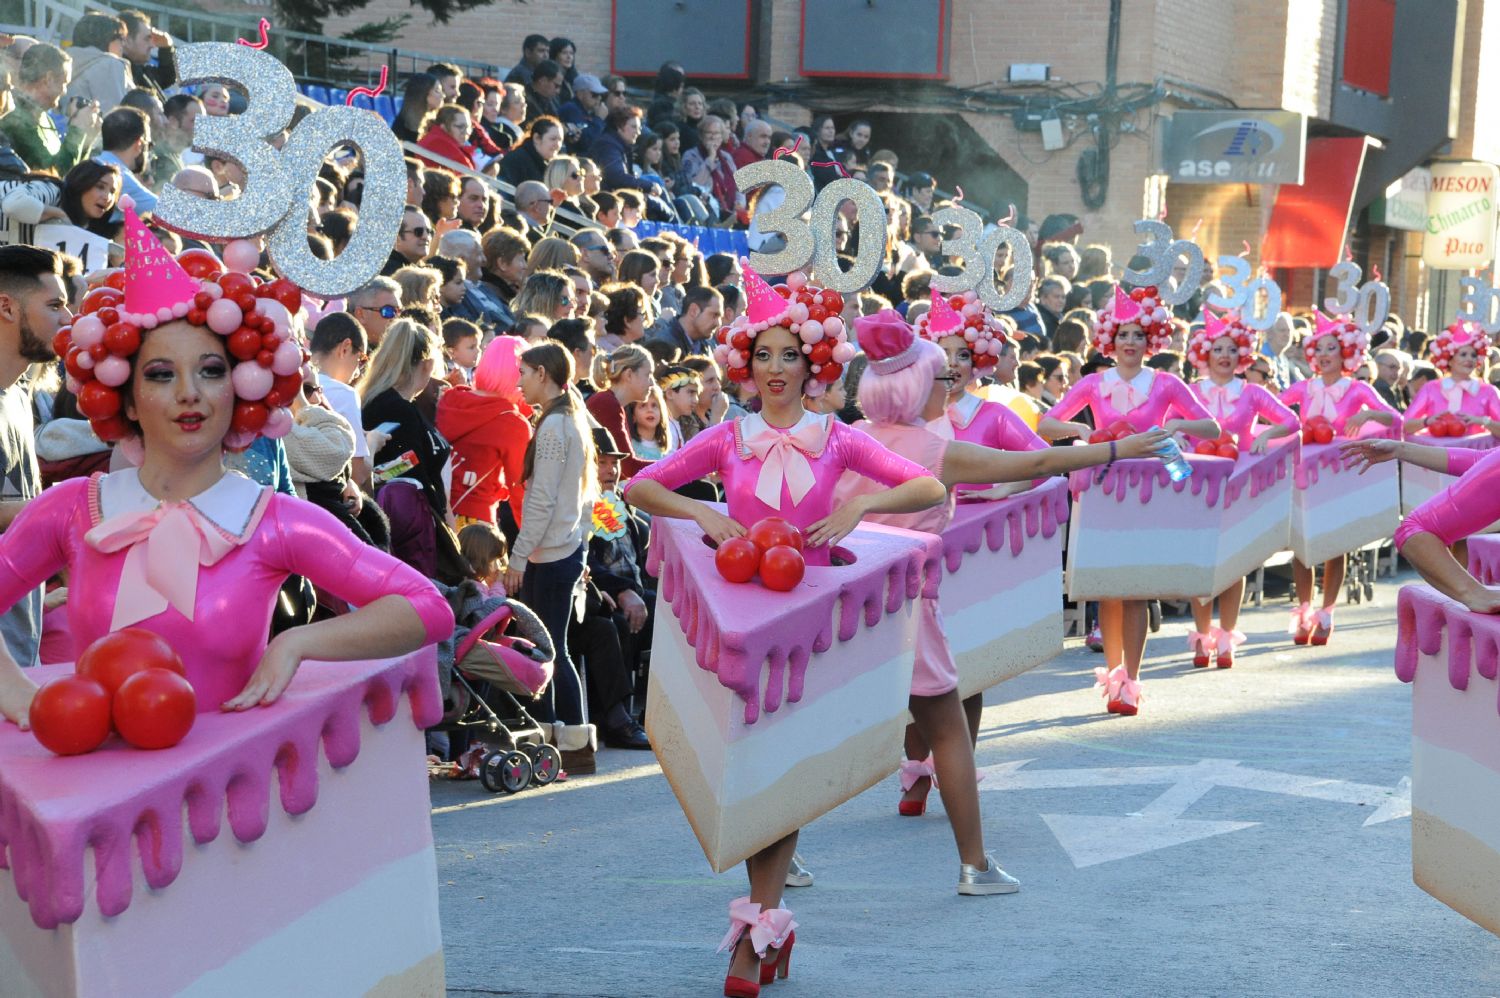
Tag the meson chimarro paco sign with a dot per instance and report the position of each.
(1461, 216)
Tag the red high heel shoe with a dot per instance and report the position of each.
(1300, 627)
(1228, 642)
(781, 966)
(1324, 627)
(913, 770)
(1200, 643)
(766, 928)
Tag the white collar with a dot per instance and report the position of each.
(1141, 382)
(1469, 385)
(755, 424)
(965, 409)
(1235, 387)
(231, 503)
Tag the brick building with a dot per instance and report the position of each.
(965, 124)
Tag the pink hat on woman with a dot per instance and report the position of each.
(499, 368)
(887, 340)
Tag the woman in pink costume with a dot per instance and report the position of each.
(972, 339)
(783, 461)
(179, 546)
(1132, 328)
(1462, 352)
(1335, 349)
(904, 394)
(1466, 507)
(1222, 350)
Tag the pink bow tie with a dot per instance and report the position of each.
(1454, 392)
(1123, 396)
(784, 459)
(159, 571)
(1323, 399)
(1219, 399)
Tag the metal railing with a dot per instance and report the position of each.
(311, 58)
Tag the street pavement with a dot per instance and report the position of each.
(1247, 834)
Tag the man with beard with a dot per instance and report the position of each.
(126, 137)
(33, 307)
(595, 255)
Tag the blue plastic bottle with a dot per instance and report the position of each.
(1171, 456)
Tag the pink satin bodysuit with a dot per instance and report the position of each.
(1337, 401)
(1463, 508)
(1238, 404)
(989, 424)
(757, 462)
(935, 672)
(1470, 398)
(1111, 398)
(221, 646)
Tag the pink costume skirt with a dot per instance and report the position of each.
(935, 672)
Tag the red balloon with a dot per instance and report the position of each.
(830, 372)
(116, 280)
(197, 317)
(782, 290)
(737, 559)
(244, 343)
(62, 340)
(833, 301)
(110, 430)
(235, 283)
(288, 384)
(956, 302)
(200, 263)
(155, 709)
(98, 401)
(108, 314)
(122, 339)
(202, 300)
(1206, 447)
(782, 567)
(774, 531)
(817, 313)
(1322, 434)
(245, 300)
(739, 373)
(264, 357)
(249, 417)
(1229, 450)
(98, 351)
(119, 655)
(268, 342)
(99, 297)
(287, 293)
(740, 341)
(821, 352)
(70, 361)
(70, 715)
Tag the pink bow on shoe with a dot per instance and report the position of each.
(1301, 620)
(167, 544)
(1228, 640)
(768, 927)
(1199, 640)
(1109, 679)
(913, 770)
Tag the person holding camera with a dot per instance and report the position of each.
(45, 73)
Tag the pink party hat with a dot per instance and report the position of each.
(887, 340)
(763, 306)
(942, 319)
(1125, 308)
(157, 289)
(1215, 324)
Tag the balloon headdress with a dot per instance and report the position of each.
(1231, 324)
(1463, 333)
(809, 312)
(1141, 307)
(1353, 341)
(964, 315)
(254, 317)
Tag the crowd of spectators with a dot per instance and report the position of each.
(471, 408)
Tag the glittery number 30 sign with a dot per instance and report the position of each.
(815, 239)
(1244, 293)
(1163, 251)
(1367, 304)
(278, 184)
(978, 254)
(1478, 303)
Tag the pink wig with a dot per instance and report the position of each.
(499, 368)
(900, 397)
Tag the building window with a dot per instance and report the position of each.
(1369, 26)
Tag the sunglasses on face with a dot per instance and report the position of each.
(419, 231)
(386, 312)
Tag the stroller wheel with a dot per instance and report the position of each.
(508, 771)
(1153, 615)
(546, 763)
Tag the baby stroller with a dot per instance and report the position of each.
(504, 666)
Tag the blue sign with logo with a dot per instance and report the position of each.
(1235, 147)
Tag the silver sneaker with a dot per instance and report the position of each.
(798, 875)
(990, 880)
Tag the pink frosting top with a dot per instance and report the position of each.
(1337, 401)
(264, 537)
(1473, 639)
(799, 466)
(990, 424)
(1239, 404)
(1470, 397)
(1463, 508)
(1149, 399)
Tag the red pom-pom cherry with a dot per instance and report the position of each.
(123, 338)
(234, 284)
(265, 358)
(782, 567)
(116, 280)
(200, 263)
(98, 401)
(110, 430)
(98, 298)
(287, 293)
(249, 417)
(737, 559)
(244, 343)
(109, 315)
(62, 340)
(830, 372)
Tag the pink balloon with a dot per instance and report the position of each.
(212, 287)
(73, 384)
(287, 359)
(844, 353)
(737, 359)
(277, 312)
(797, 313)
(112, 371)
(87, 330)
(224, 317)
(833, 326)
(241, 256)
(796, 280)
(235, 440)
(811, 331)
(278, 424)
(251, 381)
(85, 360)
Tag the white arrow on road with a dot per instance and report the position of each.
(1092, 839)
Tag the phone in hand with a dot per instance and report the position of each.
(387, 428)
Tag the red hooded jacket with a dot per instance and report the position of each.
(489, 435)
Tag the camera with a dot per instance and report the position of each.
(78, 104)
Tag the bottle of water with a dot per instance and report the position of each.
(1171, 456)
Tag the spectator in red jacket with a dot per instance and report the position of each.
(630, 381)
(448, 136)
(489, 430)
